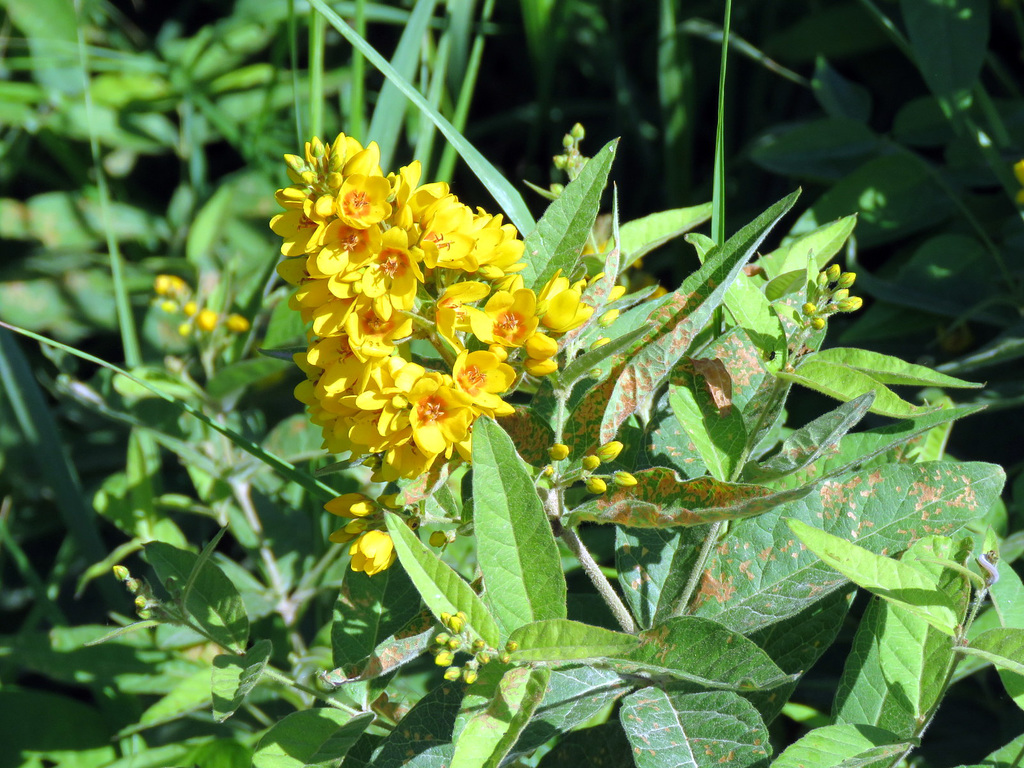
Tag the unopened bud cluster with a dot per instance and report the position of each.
(174, 295)
(572, 161)
(595, 483)
(145, 601)
(459, 638)
(830, 294)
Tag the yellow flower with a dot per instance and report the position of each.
(508, 319)
(393, 275)
(562, 306)
(296, 229)
(373, 336)
(482, 376)
(362, 201)
(343, 247)
(440, 416)
(372, 552)
(207, 320)
(237, 323)
(451, 316)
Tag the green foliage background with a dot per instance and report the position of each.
(143, 140)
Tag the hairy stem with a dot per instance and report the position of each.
(600, 581)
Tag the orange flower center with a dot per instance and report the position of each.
(508, 324)
(392, 263)
(357, 202)
(472, 379)
(431, 410)
(438, 239)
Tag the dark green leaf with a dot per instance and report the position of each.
(516, 548)
(369, 610)
(428, 724)
(949, 39)
(602, 745)
(1003, 646)
(234, 676)
(210, 597)
(653, 565)
(312, 737)
(838, 96)
(823, 149)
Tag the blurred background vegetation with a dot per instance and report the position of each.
(141, 139)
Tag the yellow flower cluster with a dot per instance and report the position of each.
(176, 296)
(381, 260)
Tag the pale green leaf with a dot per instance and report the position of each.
(641, 236)
(558, 640)
(844, 383)
(888, 369)
(833, 745)
(816, 247)
(441, 588)
(894, 580)
(312, 737)
(234, 676)
(516, 548)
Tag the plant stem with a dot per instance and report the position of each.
(600, 581)
(280, 677)
(698, 568)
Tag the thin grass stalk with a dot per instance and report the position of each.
(446, 168)
(357, 93)
(317, 27)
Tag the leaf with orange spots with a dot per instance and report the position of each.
(370, 609)
(702, 652)
(532, 437)
(653, 565)
(760, 573)
(661, 498)
(704, 730)
(676, 324)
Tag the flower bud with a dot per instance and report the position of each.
(548, 471)
(541, 347)
(591, 462)
(444, 659)
(478, 645)
(600, 342)
(184, 329)
(190, 308)
(557, 189)
(596, 485)
(469, 676)
(540, 367)
(852, 304)
(483, 657)
(822, 280)
(237, 323)
(141, 603)
(121, 573)
(505, 657)
(567, 141)
(499, 352)
(617, 292)
(577, 132)
(454, 644)
(846, 279)
(452, 674)
(445, 618)
(818, 323)
(207, 320)
(560, 162)
(608, 318)
(609, 451)
(442, 638)
(624, 479)
(840, 294)
(833, 272)
(438, 539)
(511, 646)
(558, 451)
(457, 622)
(810, 309)
(168, 306)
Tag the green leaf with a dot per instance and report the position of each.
(845, 383)
(516, 548)
(887, 369)
(812, 441)
(653, 566)
(816, 247)
(530, 433)
(949, 39)
(557, 242)
(426, 726)
(234, 676)
(574, 695)
(187, 696)
(602, 745)
(210, 597)
(693, 729)
(662, 498)
(578, 367)
(1003, 646)
(672, 328)
(556, 640)
(838, 96)
(238, 376)
(759, 573)
(313, 737)
(824, 149)
(441, 588)
(39, 723)
(718, 433)
(894, 580)
(892, 195)
(703, 652)
(492, 732)
(641, 236)
(369, 610)
(832, 745)
(405, 645)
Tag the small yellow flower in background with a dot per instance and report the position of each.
(207, 320)
(237, 324)
(351, 505)
(1018, 171)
